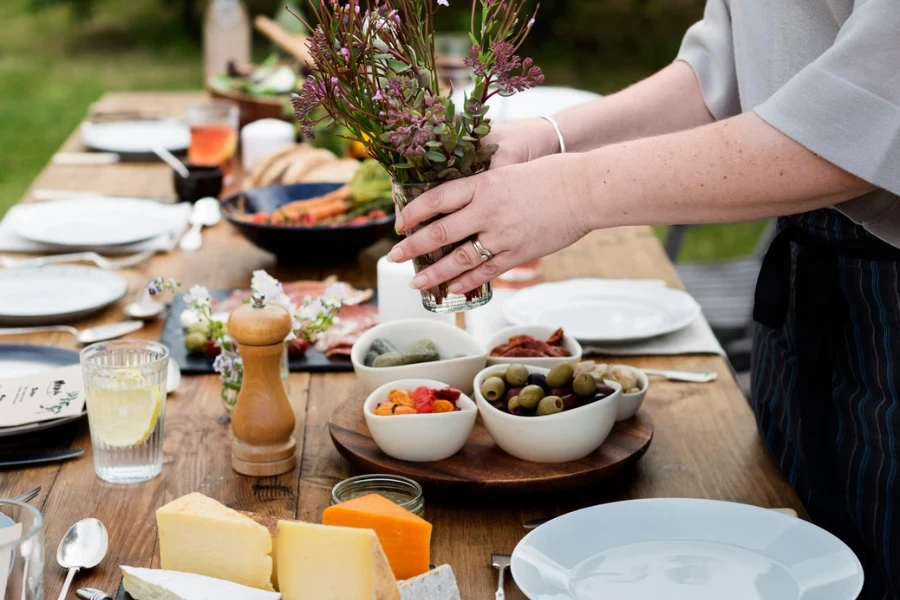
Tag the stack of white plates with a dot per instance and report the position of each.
(58, 294)
(604, 310)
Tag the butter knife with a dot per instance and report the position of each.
(26, 460)
(91, 594)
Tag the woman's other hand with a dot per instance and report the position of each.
(519, 213)
(522, 142)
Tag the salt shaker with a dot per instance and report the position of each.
(263, 420)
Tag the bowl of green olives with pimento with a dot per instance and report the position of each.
(546, 415)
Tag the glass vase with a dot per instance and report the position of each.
(438, 299)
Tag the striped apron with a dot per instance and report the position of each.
(826, 382)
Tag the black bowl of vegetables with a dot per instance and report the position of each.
(313, 222)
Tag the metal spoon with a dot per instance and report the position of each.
(145, 309)
(83, 547)
(84, 336)
(206, 214)
(173, 162)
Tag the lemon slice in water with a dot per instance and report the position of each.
(125, 410)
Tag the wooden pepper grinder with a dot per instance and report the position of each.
(263, 420)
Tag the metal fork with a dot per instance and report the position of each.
(111, 264)
(501, 563)
(27, 496)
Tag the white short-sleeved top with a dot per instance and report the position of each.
(823, 72)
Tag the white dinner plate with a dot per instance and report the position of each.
(604, 310)
(94, 222)
(684, 549)
(136, 137)
(56, 294)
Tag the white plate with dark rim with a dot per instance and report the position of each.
(136, 137)
(604, 310)
(94, 221)
(684, 549)
(20, 360)
(56, 294)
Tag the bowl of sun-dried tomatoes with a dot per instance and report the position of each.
(533, 346)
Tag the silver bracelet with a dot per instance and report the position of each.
(562, 141)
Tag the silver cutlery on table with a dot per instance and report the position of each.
(145, 309)
(501, 563)
(83, 547)
(100, 333)
(110, 264)
(534, 524)
(686, 376)
(27, 460)
(91, 594)
(28, 496)
(45, 195)
(206, 213)
(85, 158)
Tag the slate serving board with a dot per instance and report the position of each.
(199, 364)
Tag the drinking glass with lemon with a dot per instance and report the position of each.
(125, 385)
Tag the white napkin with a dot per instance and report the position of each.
(10, 241)
(697, 338)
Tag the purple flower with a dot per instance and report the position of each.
(378, 97)
(443, 2)
(345, 52)
(531, 23)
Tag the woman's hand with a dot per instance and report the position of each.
(518, 213)
(522, 142)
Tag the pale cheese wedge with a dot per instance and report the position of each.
(437, 584)
(199, 535)
(320, 562)
(155, 584)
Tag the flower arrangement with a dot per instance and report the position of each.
(315, 316)
(374, 75)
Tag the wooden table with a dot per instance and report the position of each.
(706, 444)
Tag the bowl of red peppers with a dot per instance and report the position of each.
(420, 420)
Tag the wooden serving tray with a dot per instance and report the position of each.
(481, 468)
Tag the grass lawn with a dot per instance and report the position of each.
(52, 68)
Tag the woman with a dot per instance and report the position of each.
(784, 108)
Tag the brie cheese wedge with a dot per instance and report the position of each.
(155, 584)
(437, 584)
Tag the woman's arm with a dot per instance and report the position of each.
(737, 169)
(665, 102)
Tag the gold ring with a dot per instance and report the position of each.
(485, 254)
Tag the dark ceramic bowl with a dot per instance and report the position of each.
(299, 245)
(204, 182)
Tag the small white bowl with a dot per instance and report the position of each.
(629, 404)
(419, 438)
(563, 437)
(541, 332)
(450, 341)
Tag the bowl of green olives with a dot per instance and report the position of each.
(546, 415)
(568, 348)
(418, 349)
